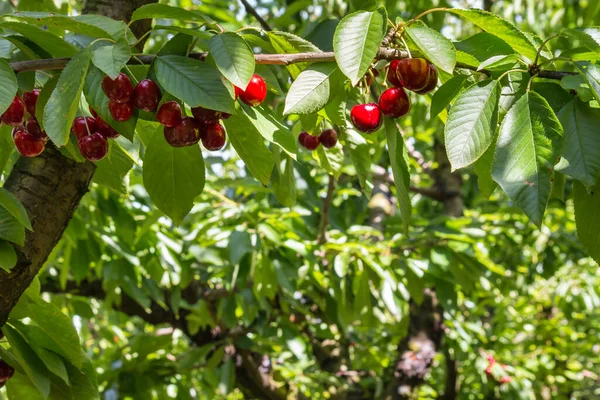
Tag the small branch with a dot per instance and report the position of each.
(252, 11)
(322, 236)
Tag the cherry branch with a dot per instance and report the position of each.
(384, 53)
(252, 11)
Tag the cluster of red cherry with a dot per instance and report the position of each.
(328, 138)
(489, 371)
(415, 74)
(28, 136)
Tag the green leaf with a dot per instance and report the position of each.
(9, 202)
(483, 169)
(233, 57)
(356, 42)
(400, 170)
(360, 154)
(501, 28)
(528, 147)
(284, 182)
(271, 129)
(311, 90)
(8, 88)
(591, 74)
(498, 63)
(112, 171)
(7, 147)
(588, 37)
(164, 11)
(581, 151)
(99, 102)
(61, 109)
(8, 257)
(10, 228)
(445, 94)
(249, 145)
(173, 177)
(331, 160)
(587, 216)
(434, 46)
(288, 43)
(6, 49)
(194, 82)
(471, 123)
(111, 59)
(54, 45)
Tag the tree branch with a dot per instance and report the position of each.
(252, 11)
(384, 53)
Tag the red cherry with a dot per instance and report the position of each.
(27, 144)
(413, 73)
(255, 92)
(80, 129)
(15, 113)
(30, 99)
(93, 112)
(302, 138)
(93, 147)
(6, 372)
(488, 370)
(213, 137)
(121, 111)
(394, 102)
(505, 379)
(206, 116)
(34, 128)
(311, 142)
(392, 75)
(370, 77)
(184, 134)
(432, 80)
(237, 92)
(169, 114)
(105, 129)
(328, 138)
(146, 95)
(119, 90)
(366, 118)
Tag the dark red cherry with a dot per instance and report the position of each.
(6, 371)
(146, 95)
(93, 147)
(413, 73)
(27, 144)
(207, 116)
(392, 75)
(34, 128)
(366, 118)
(84, 126)
(184, 134)
(169, 114)
(328, 138)
(213, 137)
(432, 80)
(15, 113)
(121, 111)
(255, 92)
(119, 90)
(394, 102)
(30, 99)
(302, 138)
(311, 142)
(105, 129)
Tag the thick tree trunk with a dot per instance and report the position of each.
(50, 187)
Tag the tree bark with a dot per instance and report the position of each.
(50, 188)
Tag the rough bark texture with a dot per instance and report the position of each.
(51, 186)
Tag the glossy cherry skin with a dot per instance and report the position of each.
(255, 93)
(366, 118)
(394, 102)
(169, 114)
(184, 134)
(302, 138)
(121, 111)
(81, 129)
(207, 116)
(30, 99)
(93, 147)
(146, 95)
(237, 91)
(27, 144)
(119, 90)
(311, 142)
(392, 75)
(432, 80)
(413, 73)
(105, 129)
(34, 128)
(15, 113)
(328, 138)
(213, 137)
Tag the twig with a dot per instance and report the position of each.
(322, 236)
(252, 11)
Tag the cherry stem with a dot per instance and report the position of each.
(102, 40)
(405, 45)
(424, 13)
(537, 56)
(132, 75)
(140, 39)
(87, 127)
(566, 59)
(509, 71)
